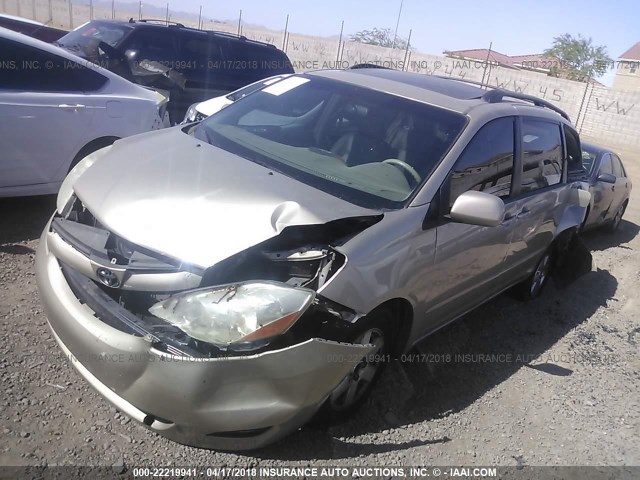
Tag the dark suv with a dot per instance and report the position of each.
(193, 64)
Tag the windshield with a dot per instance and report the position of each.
(589, 159)
(368, 147)
(254, 87)
(93, 33)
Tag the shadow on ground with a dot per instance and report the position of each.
(600, 239)
(451, 376)
(23, 218)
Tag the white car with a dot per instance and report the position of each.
(56, 108)
(202, 110)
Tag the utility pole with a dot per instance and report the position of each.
(486, 64)
(284, 39)
(339, 43)
(406, 52)
(395, 35)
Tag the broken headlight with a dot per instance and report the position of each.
(237, 313)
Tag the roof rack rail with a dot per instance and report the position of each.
(497, 95)
(239, 37)
(457, 79)
(225, 34)
(159, 20)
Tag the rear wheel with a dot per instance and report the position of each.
(534, 285)
(617, 219)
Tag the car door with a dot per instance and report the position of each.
(538, 195)
(621, 187)
(468, 267)
(44, 114)
(603, 192)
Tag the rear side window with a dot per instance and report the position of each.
(267, 61)
(541, 154)
(30, 69)
(486, 164)
(605, 164)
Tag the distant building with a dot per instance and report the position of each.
(536, 62)
(628, 70)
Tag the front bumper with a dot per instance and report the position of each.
(233, 403)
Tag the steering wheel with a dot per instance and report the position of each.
(406, 167)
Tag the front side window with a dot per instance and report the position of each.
(200, 49)
(541, 154)
(486, 164)
(366, 146)
(153, 44)
(606, 165)
(617, 167)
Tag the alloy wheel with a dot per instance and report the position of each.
(355, 385)
(540, 275)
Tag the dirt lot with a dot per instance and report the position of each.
(562, 386)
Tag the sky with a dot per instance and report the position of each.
(514, 27)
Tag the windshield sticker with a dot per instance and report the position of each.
(285, 85)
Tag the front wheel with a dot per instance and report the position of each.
(353, 390)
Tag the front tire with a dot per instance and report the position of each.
(354, 389)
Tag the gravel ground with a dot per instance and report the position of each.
(565, 391)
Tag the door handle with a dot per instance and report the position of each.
(524, 212)
(66, 106)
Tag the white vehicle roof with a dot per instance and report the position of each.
(21, 19)
(213, 105)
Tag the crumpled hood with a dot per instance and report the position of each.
(182, 197)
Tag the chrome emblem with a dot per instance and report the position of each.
(108, 278)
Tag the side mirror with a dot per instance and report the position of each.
(607, 178)
(478, 208)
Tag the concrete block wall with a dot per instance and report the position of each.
(599, 112)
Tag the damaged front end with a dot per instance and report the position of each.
(233, 356)
(262, 298)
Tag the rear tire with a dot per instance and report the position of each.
(533, 286)
(613, 226)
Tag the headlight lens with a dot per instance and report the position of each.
(243, 312)
(192, 114)
(66, 189)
